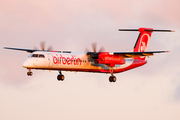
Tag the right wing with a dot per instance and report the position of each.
(136, 54)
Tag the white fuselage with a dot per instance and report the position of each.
(74, 61)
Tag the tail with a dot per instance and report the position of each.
(143, 39)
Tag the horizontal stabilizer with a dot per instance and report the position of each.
(149, 30)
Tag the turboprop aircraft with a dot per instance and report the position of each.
(101, 62)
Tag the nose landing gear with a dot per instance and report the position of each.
(29, 73)
(60, 77)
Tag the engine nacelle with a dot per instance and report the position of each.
(111, 60)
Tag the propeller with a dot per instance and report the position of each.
(95, 54)
(42, 44)
(94, 45)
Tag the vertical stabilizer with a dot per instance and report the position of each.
(143, 39)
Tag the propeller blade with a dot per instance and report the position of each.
(87, 50)
(94, 54)
(94, 47)
(42, 45)
(35, 48)
(50, 48)
(102, 49)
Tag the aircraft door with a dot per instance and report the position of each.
(50, 59)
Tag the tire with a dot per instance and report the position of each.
(110, 79)
(59, 77)
(62, 77)
(114, 79)
(30, 73)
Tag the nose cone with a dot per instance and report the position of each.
(26, 64)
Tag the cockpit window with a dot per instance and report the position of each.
(38, 55)
(41, 55)
(34, 55)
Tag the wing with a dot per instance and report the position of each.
(136, 54)
(27, 50)
(33, 50)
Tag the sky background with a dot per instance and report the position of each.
(150, 92)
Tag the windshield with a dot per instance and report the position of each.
(38, 55)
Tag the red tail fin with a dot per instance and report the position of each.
(143, 41)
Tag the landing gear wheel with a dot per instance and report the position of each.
(60, 77)
(112, 79)
(29, 73)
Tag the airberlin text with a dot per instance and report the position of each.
(59, 59)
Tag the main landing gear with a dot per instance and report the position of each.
(60, 77)
(112, 78)
(29, 73)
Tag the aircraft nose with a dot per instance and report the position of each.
(26, 64)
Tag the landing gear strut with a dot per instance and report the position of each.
(112, 78)
(60, 76)
(29, 73)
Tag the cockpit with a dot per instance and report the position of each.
(38, 55)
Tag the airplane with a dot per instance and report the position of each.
(96, 62)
